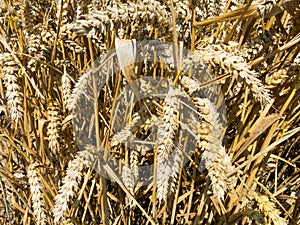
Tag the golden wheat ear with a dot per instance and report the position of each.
(209, 139)
(68, 189)
(54, 127)
(66, 87)
(268, 209)
(12, 83)
(230, 60)
(37, 197)
(167, 130)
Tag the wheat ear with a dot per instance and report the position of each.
(53, 127)
(66, 86)
(231, 61)
(166, 132)
(268, 208)
(209, 132)
(80, 88)
(69, 187)
(14, 96)
(37, 198)
(127, 131)
(136, 15)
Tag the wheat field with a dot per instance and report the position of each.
(213, 138)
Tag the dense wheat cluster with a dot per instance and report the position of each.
(201, 131)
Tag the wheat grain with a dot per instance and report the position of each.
(209, 126)
(288, 70)
(265, 7)
(74, 46)
(127, 131)
(128, 178)
(218, 169)
(29, 15)
(263, 43)
(81, 87)
(37, 198)
(37, 50)
(62, 12)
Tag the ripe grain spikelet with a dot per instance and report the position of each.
(127, 131)
(134, 162)
(166, 132)
(14, 95)
(62, 12)
(37, 198)
(66, 86)
(209, 131)
(29, 15)
(217, 173)
(69, 188)
(268, 208)
(128, 179)
(37, 49)
(231, 62)
(53, 128)
(136, 15)
(80, 88)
